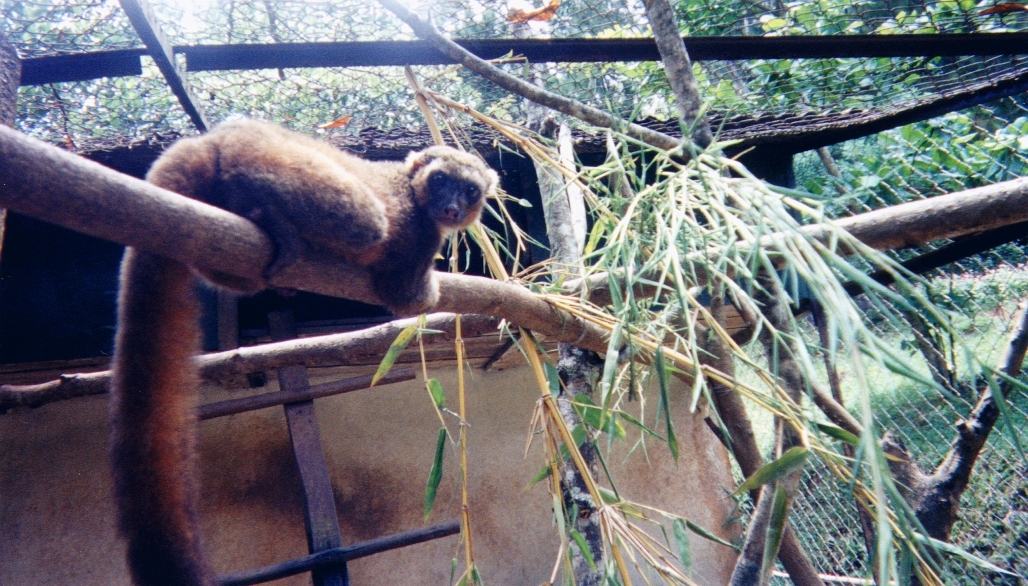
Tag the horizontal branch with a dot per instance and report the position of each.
(360, 347)
(565, 105)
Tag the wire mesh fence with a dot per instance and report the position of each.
(967, 148)
(982, 145)
(379, 97)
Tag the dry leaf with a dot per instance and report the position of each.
(337, 122)
(541, 14)
(1004, 8)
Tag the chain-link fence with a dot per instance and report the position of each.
(967, 148)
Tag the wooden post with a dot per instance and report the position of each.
(320, 516)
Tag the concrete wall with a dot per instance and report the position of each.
(57, 521)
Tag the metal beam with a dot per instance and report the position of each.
(143, 20)
(396, 53)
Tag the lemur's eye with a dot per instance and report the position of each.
(437, 179)
(471, 192)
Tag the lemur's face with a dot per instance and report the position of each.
(450, 185)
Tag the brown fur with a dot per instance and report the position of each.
(388, 217)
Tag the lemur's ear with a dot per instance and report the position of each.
(417, 160)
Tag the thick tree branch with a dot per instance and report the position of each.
(778, 315)
(903, 225)
(593, 116)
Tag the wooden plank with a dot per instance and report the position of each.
(81, 66)
(342, 554)
(396, 53)
(320, 518)
(145, 22)
(93, 65)
(264, 400)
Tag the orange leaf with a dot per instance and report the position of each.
(1004, 8)
(337, 122)
(541, 14)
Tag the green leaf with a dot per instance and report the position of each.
(394, 351)
(839, 434)
(775, 528)
(595, 417)
(436, 474)
(640, 425)
(552, 377)
(665, 403)
(682, 542)
(704, 533)
(608, 496)
(584, 548)
(543, 474)
(965, 555)
(792, 460)
(435, 388)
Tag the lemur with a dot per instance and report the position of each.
(390, 217)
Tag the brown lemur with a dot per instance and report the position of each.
(390, 217)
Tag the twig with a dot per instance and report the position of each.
(568, 106)
(361, 347)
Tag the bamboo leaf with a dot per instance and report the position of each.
(682, 543)
(394, 351)
(839, 434)
(775, 528)
(436, 474)
(435, 388)
(584, 548)
(553, 378)
(792, 460)
(640, 425)
(543, 474)
(665, 403)
(704, 533)
(596, 418)
(965, 555)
